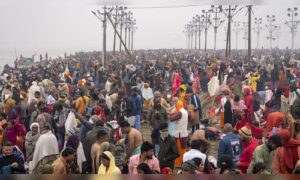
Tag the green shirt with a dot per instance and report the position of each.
(262, 154)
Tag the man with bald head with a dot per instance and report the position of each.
(230, 145)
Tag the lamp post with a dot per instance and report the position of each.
(292, 23)
(257, 29)
(245, 29)
(237, 30)
(217, 21)
(195, 25)
(206, 23)
(271, 28)
(278, 34)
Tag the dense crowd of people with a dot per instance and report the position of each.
(161, 112)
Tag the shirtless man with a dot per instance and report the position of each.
(102, 136)
(133, 140)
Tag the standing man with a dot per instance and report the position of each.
(133, 140)
(195, 101)
(230, 145)
(265, 153)
(180, 130)
(156, 116)
(137, 106)
(167, 151)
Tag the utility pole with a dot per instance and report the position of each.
(123, 14)
(257, 29)
(237, 30)
(113, 25)
(115, 32)
(126, 23)
(133, 29)
(206, 17)
(102, 17)
(292, 23)
(230, 12)
(129, 29)
(271, 28)
(249, 32)
(217, 22)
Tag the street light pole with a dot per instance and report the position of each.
(245, 29)
(237, 30)
(195, 25)
(249, 32)
(278, 33)
(293, 24)
(271, 28)
(206, 17)
(192, 34)
(257, 29)
(217, 22)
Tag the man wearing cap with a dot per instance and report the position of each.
(230, 145)
(249, 145)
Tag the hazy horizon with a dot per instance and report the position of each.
(56, 27)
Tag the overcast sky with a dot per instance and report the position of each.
(58, 26)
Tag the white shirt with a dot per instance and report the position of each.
(193, 153)
(181, 125)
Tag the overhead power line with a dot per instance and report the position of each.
(163, 7)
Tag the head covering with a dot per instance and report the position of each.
(290, 146)
(35, 124)
(182, 86)
(73, 141)
(112, 169)
(245, 132)
(179, 105)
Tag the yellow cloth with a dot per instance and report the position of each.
(113, 169)
(253, 83)
(81, 104)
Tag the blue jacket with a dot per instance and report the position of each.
(137, 104)
(231, 146)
